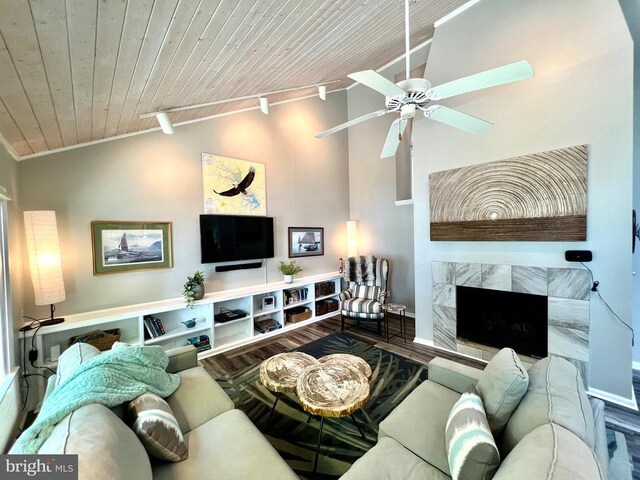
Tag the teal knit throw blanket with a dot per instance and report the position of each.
(110, 379)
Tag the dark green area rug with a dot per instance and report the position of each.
(394, 377)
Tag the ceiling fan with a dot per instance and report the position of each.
(414, 95)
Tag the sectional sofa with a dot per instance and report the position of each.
(222, 441)
(554, 432)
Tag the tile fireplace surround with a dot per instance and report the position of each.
(567, 291)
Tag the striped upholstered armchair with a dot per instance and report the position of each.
(367, 278)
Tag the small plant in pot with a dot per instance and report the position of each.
(194, 288)
(289, 269)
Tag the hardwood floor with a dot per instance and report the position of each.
(222, 365)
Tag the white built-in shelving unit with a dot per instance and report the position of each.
(223, 336)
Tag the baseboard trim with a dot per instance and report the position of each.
(422, 341)
(429, 343)
(629, 403)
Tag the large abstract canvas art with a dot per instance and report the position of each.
(232, 186)
(537, 197)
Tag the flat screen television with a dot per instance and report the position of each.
(227, 238)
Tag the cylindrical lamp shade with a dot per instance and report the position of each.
(352, 238)
(44, 256)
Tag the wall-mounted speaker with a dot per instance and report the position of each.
(238, 266)
(578, 256)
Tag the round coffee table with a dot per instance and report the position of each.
(279, 374)
(348, 360)
(332, 389)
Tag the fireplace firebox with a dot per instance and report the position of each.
(503, 319)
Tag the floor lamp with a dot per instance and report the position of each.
(44, 259)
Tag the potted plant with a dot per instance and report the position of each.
(194, 288)
(289, 269)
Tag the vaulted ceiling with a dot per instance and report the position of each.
(75, 71)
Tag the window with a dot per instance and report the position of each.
(6, 323)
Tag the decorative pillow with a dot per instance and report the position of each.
(366, 291)
(501, 386)
(158, 430)
(72, 358)
(556, 394)
(471, 449)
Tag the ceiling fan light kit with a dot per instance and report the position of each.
(407, 97)
(264, 105)
(165, 123)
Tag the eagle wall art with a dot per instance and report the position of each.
(232, 186)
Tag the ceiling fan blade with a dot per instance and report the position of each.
(454, 118)
(378, 83)
(491, 78)
(393, 137)
(355, 121)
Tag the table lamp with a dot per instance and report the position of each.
(44, 259)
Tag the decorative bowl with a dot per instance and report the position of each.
(190, 323)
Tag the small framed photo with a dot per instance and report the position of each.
(306, 241)
(130, 246)
(268, 302)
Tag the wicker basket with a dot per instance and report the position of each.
(325, 306)
(325, 288)
(101, 339)
(298, 314)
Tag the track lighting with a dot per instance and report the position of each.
(322, 92)
(165, 123)
(264, 105)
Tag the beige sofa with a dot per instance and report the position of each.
(222, 441)
(555, 432)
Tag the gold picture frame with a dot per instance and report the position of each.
(119, 247)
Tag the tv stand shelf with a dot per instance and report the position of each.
(222, 335)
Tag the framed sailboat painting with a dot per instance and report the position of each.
(306, 241)
(130, 246)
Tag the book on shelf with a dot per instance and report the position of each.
(148, 328)
(159, 325)
(296, 295)
(201, 342)
(267, 325)
(152, 327)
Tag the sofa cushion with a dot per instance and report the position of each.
(107, 449)
(501, 386)
(72, 358)
(555, 394)
(198, 399)
(419, 422)
(158, 430)
(471, 449)
(388, 460)
(228, 447)
(553, 453)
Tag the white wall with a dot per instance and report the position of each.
(582, 94)
(631, 10)
(384, 229)
(158, 177)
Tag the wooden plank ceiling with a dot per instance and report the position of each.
(74, 71)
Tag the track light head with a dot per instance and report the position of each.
(165, 122)
(322, 92)
(264, 105)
